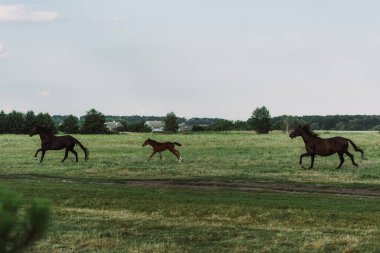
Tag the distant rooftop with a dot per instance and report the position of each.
(155, 124)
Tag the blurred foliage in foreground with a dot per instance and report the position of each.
(21, 226)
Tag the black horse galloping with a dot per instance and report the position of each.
(324, 147)
(52, 142)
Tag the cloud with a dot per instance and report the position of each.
(3, 53)
(20, 13)
(44, 93)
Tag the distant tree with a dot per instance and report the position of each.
(291, 122)
(356, 124)
(199, 128)
(139, 127)
(241, 125)
(18, 233)
(329, 122)
(202, 121)
(260, 120)
(3, 117)
(222, 125)
(94, 123)
(58, 119)
(30, 122)
(45, 120)
(171, 122)
(14, 123)
(70, 125)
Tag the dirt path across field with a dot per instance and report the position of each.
(207, 185)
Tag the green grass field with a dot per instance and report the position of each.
(93, 215)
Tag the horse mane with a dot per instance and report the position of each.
(45, 130)
(308, 131)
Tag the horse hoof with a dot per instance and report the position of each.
(35, 158)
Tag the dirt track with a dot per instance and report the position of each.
(210, 185)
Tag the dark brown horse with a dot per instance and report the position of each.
(52, 142)
(162, 146)
(324, 147)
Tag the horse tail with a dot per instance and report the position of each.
(85, 150)
(176, 143)
(357, 149)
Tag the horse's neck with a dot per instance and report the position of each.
(307, 137)
(153, 143)
(44, 136)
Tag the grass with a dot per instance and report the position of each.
(90, 217)
(219, 156)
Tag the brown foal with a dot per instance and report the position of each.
(162, 146)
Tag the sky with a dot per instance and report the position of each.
(197, 58)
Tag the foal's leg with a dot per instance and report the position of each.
(35, 156)
(341, 160)
(180, 157)
(173, 151)
(43, 155)
(151, 156)
(66, 153)
(160, 155)
(75, 153)
(352, 158)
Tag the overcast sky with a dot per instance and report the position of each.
(198, 58)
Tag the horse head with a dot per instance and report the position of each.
(37, 130)
(146, 142)
(306, 129)
(296, 132)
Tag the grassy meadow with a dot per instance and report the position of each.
(236, 156)
(90, 216)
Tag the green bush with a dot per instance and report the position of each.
(17, 233)
(171, 122)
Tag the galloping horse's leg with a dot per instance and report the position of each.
(75, 153)
(35, 156)
(66, 153)
(43, 155)
(312, 161)
(352, 158)
(341, 160)
(150, 156)
(160, 155)
(306, 154)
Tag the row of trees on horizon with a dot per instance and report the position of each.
(20, 123)
(261, 121)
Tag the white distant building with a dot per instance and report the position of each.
(112, 125)
(184, 128)
(155, 125)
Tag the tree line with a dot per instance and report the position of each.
(330, 122)
(262, 122)
(93, 122)
(22, 123)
